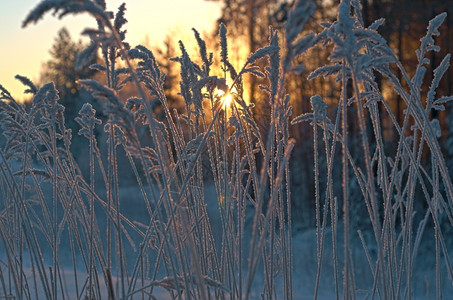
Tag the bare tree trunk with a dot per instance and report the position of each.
(252, 44)
(400, 58)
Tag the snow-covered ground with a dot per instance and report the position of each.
(303, 250)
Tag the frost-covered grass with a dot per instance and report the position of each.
(209, 214)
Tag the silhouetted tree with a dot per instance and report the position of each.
(61, 69)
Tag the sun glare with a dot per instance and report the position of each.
(225, 98)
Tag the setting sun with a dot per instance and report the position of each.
(225, 98)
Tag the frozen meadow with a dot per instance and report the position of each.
(205, 210)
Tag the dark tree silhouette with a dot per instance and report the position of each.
(61, 69)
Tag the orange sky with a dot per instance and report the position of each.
(25, 49)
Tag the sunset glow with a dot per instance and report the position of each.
(26, 49)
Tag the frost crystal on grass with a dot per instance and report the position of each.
(318, 105)
(27, 82)
(210, 214)
(87, 120)
(297, 19)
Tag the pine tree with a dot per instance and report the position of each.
(61, 69)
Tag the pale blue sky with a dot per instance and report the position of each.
(23, 50)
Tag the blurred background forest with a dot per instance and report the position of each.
(248, 24)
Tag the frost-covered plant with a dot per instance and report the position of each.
(388, 181)
(176, 247)
(54, 217)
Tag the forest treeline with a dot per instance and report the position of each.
(248, 24)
